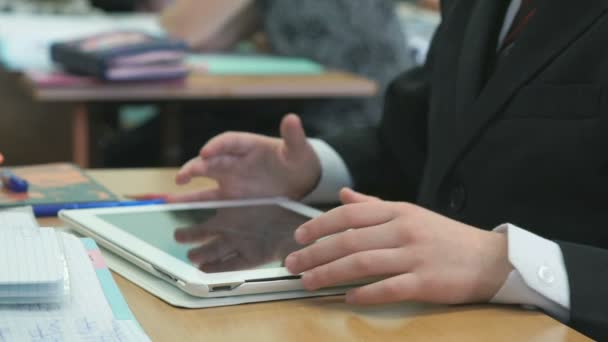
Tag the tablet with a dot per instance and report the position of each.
(209, 249)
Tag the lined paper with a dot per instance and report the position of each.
(83, 328)
(32, 265)
(20, 219)
(30, 258)
(86, 297)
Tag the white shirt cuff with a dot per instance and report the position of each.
(334, 174)
(540, 278)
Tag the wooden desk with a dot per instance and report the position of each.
(318, 319)
(196, 87)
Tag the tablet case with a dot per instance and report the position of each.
(122, 56)
(174, 296)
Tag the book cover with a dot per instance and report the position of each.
(55, 183)
(122, 56)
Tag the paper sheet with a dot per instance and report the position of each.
(20, 219)
(80, 328)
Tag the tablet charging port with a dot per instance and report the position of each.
(223, 287)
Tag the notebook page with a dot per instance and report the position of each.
(81, 328)
(86, 297)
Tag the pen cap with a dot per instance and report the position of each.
(16, 184)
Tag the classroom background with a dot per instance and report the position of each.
(39, 123)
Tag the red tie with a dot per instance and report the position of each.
(526, 12)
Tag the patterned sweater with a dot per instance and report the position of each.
(361, 36)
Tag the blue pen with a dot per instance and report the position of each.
(13, 182)
(51, 210)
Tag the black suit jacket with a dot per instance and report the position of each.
(522, 140)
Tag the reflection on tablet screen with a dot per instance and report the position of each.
(217, 240)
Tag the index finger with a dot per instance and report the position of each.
(231, 143)
(350, 216)
(194, 167)
(197, 196)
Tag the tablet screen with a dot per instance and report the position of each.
(217, 240)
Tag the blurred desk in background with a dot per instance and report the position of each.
(196, 87)
(24, 47)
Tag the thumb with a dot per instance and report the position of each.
(349, 196)
(293, 133)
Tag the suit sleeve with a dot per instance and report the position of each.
(388, 160)
(372, 154)
(588, 277)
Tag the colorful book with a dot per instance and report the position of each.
(55, 183)
(122, 56)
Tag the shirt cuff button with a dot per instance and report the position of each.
(546, 275)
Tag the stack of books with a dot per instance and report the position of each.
(123, 56)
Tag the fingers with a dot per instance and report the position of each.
(215, 251)
(1, 158)
(349, 216)
(396, 289)
(357, 266)
(341, 245)
(293, 133)
(216, 152)
(197, 196)
(215, 167)
(194, 167)
(231, 143)
(348, 196)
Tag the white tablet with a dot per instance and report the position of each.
(225, 248)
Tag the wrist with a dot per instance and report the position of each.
(495, 266)
(310, 175)
(330, 173)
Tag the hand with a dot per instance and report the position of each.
(241, 238)
(421, 255)
(248, 165)
(1, 158)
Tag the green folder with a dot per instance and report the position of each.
(253, 65)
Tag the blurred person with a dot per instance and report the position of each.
(361, 36)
